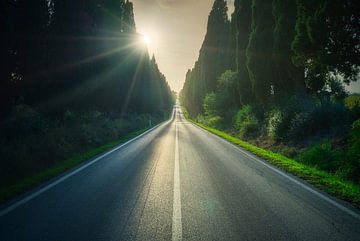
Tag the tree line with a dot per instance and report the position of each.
(274, 74)
(278, 49)
(75, 80)
(63, 55)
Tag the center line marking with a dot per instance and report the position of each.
(176, 220)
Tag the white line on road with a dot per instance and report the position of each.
(306, 187)
(60, 180)
(176, 220)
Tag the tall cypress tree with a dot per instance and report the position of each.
(30, 26)
(289, 79)
(259, 50)
(129, 20)
(214, 59)
(7, 57)
(242, 17)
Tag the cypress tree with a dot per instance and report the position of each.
(214, 58)
(259, 50)
(288, 79)
(30, 26)
(7, 58)
(129, 20)
(242, 17)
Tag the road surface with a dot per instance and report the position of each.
(177, 182)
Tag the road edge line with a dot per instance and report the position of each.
(77, 170)
(282, 173)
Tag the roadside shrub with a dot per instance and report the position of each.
(325, 119)
(246, 123)
(277, 124)
(353, 154)
(30, 142)
(213, 104)
(322, 156)
(280, 118)
(216, 122)
(352, 103)
(24, 120)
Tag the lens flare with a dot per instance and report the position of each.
(146, 39)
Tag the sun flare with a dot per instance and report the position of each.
(146, 39)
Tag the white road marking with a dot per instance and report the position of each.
(60, 180)
(310, 189)
(176, 220)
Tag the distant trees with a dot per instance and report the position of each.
(82, 55)
(214, 58)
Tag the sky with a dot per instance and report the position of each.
(176, 29)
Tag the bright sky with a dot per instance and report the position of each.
(176, 30)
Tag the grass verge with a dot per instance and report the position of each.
(27, 183)
(323, 180)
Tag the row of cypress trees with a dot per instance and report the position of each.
(81, 55)
(278, 49)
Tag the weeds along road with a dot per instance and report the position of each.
(178, 182)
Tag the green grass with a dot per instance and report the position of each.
(323, 180)
(6, 193)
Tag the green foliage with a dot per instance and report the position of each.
(331, 183)
(353, 153)
(289, 80)
(226, 87)
(213, 121)
(24, 184)
(322, 156)
(31, 142)
(215, 57)
(276, 124)
(212, 104)
(242, 20)
(352, 103)
(259, 51)
(225, 97)
(326, 40)
(98, 68)
(325, 119)
(246, 123)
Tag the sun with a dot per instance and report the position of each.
(146, 39)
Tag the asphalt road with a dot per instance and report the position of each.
(177, 182)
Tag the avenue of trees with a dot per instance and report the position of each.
(80, 55)
(275, 74)
(74, 75)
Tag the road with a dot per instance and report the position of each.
(178, 182)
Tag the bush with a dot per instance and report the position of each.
(277, 124)
(352, 103)
(246, 123)
(323, 157)
(30, 142)
(279, 119)
(216, 122)
(353, 154)
(326, 119)
(212, 104)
